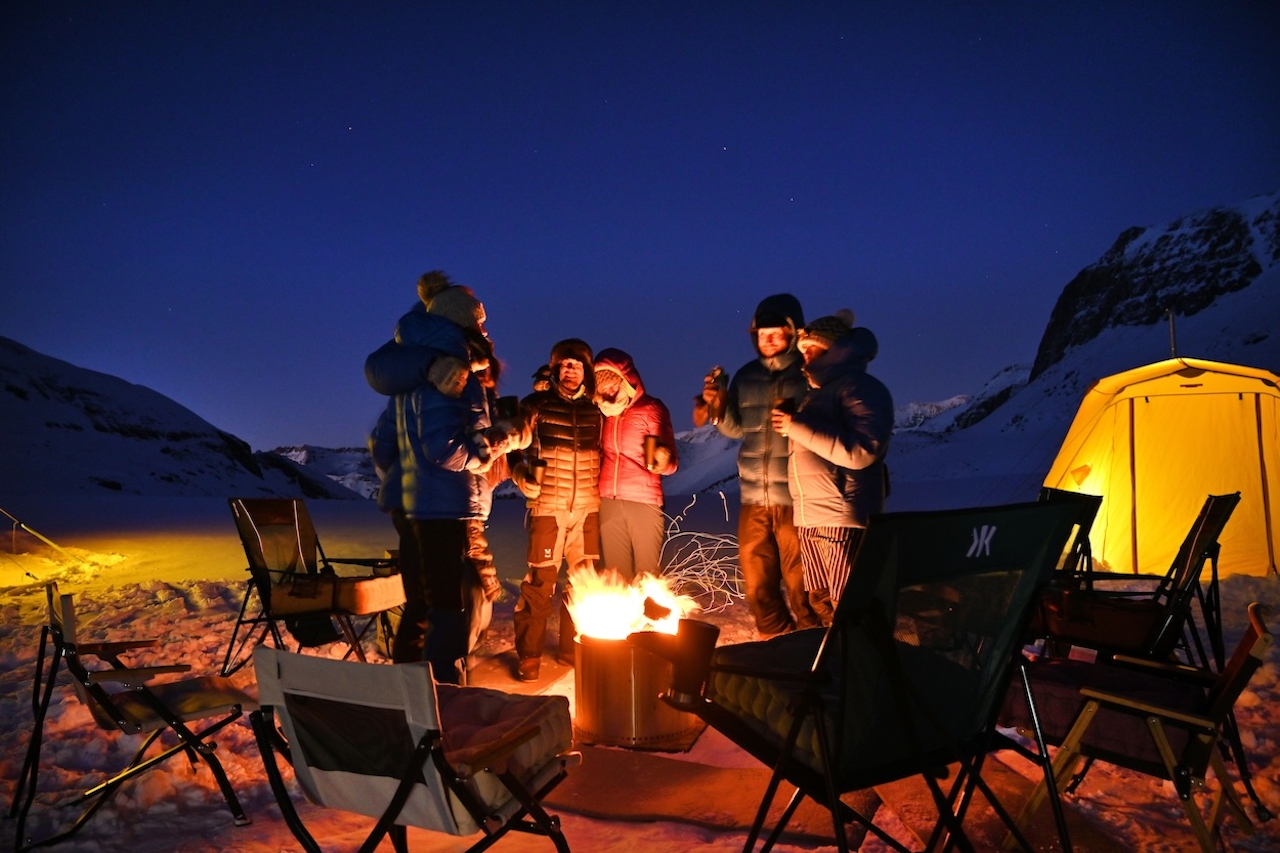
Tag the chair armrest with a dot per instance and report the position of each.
(1179, 671)
(494, 756)
(107, 650)
(1147, 709)
(798, 677)
(135, 677)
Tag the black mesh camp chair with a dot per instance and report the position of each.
(123, 699)
(1157, 718)
(389, 743)
(1155, 620)
(908, 677)
(1077, 560)
(291, 580)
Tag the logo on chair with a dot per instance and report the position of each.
(981, 546)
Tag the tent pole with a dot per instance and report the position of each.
(1266, 492)
(1133, 490)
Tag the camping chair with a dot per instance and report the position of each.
(142, 707)
(1157, 718)
(1077, 559)
(1156, 621)
(908, 677)
(389, 743)
(291, 579)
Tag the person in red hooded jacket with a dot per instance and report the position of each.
(632, 524)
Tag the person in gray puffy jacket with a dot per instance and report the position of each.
(839, 438)
(768, 544)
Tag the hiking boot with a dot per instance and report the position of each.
(529, 669)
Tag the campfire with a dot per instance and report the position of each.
(607, 607)
(617, 684)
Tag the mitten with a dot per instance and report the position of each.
(449, 375)
(489, 583)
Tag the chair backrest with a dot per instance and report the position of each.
(1248, 657)
(1200, 545)
(277, 535)
(934, 610)
(352, 728)
(62, 627)
(1078, 556)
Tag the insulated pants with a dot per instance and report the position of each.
(570, 536)
(631, 536)
(769, 556)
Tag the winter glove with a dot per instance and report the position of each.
(489, 583)
(449, 375)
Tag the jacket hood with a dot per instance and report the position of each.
(851, 353)
(418, 328)
(622, 364)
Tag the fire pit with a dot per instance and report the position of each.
(617, 688)
(616, 684)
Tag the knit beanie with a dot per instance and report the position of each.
(430, 283)
(829, 329)
(458, 305)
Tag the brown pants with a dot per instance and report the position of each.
(769, 555)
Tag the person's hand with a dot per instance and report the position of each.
(781, 421)
(529, 488)
(490, 585)
(661, 459)
(449, 375)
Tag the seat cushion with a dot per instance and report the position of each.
(357, 596)
(763, 703)
(473, 718)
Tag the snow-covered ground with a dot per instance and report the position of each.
(172, 569)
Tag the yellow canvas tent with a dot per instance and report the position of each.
(1155, 440)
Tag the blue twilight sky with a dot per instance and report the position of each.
(230, 202)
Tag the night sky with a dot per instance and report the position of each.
(230, 203)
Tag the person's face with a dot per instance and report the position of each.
(608, 383)
(772, 340)
(811, 348)
(571, 374)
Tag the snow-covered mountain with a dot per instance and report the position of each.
(68, 429)
(1217, 271)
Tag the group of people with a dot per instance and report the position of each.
(588, 450)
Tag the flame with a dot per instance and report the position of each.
(606, 606)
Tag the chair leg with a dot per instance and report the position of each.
(25, 791)
(353, 640)
(263, 723)
(1186, 797)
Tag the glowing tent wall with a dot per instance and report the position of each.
(1155, 440)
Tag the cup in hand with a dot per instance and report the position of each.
(507, 408)
(537, 470)
(786, 405)
(650, 451)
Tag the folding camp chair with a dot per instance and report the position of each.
(1157, 718)
(389, 743)
(908, 677)
(1155, 621)
(1077, 559)
(142, 707)
(291, 580)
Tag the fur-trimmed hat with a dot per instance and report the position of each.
(779, 311)
(829, 329)
(574, 348)
(458, 305)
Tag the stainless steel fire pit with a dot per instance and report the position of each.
(617, 686)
